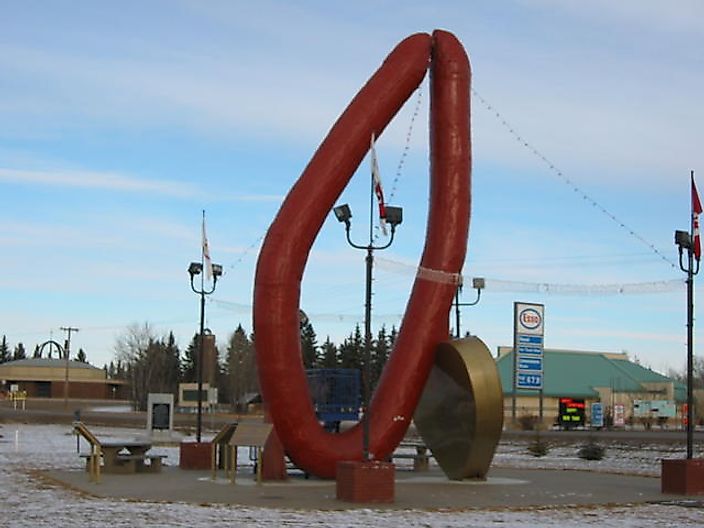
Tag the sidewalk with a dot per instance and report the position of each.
(505, 488)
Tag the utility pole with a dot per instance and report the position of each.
(67, 352)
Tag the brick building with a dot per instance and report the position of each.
(46, 378)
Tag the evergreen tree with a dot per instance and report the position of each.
(328, 354)
(20, 352)
(309, 345)
(380, 354)
(172, 362)
(81, 356)
(5, 355)
(240, 368)
(120, 370)
(351, 350)
(189, 369)
(392, 337)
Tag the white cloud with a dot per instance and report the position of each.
(108, 181)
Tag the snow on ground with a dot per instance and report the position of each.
(620, 457)
(28, 501)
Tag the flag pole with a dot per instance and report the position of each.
(694, 234)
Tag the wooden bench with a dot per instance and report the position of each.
(228, 453)
(421, 458)
(154, 465)
(92, 458)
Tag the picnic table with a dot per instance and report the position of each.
(118, 456)
(129, 456)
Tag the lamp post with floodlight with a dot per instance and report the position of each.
(478, 284)
(394, 217)
(194, 269)
(684, 243)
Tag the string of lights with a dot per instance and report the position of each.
(568, 181)
(546, 288)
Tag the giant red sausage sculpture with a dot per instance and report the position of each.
(285, 250)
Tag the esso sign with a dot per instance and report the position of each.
(530, 318)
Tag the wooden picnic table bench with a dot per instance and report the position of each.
(421, 458)
(118, 456)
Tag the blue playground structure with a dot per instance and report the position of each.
(335, 394)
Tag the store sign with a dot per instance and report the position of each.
(654, 409)
(570, 412)
(597, 414)
(619, 415)
(528, 345)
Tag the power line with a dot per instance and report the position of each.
(567, 181)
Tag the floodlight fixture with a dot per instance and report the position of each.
(394, 215)
(343, 213)
(195, 268)
(683, 240)
(478, 283)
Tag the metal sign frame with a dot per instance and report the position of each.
(528, 345)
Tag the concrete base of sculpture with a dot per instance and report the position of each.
(371, 481)
(682, 476)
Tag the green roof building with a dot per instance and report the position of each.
(609, 378)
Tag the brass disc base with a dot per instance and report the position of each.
(460, 413)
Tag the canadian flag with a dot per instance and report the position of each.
(206, 252)
(696, 211)
(378, 189)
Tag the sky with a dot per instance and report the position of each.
(120, 122)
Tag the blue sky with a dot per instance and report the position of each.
(121, 121)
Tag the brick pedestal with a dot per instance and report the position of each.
(682, 476)
(194, 455)
(365, 481)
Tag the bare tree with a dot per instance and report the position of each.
(152, 364)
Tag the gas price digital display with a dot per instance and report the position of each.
(571, 412)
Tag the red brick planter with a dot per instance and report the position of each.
(194, 455)
(365, 481)
(682, 476)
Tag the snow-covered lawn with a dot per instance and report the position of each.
(28, 501)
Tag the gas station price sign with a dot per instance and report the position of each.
(528, 338)
(571, 412)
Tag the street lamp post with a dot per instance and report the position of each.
(196, 268)
(394, 217)
(684, 242)
(477, 284)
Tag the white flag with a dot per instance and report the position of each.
(206, 253)
(378, 189)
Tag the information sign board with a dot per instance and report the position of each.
(597, 414)
(619, 415)
(570, 412)
(529, 381)
(528, 345)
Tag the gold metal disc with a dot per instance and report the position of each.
(460, 413)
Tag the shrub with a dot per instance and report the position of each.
(592, 451)
(527, 422)
(538, 448)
